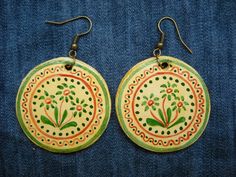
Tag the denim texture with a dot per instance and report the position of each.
(124, 33)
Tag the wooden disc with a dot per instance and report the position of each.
(63, 110)
(163, 110)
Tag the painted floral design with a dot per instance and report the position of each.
(179, 104)
(60, 117)
(47, 100)
(163, 116)
(79, 107)
(65, 92)
(151, 102)
(169, 90)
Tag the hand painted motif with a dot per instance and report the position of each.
(66, 95)
(163, 110)
(160, 115)
(60, 110)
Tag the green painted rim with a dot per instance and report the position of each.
(124, 82)
(102, 83)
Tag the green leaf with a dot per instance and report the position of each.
(164, 85)
(80, 114)
(169, 97)
(180, 120)
(41, 105)
(73, 103)
(162, 91)
(52, 96)
(60, 87)
(45, 120)
(42, 97)
(72, 92)
(75, 113)
(67, 99)
(169, 112)
(85, 105)
(174, 108)
(161, 115)
(56, 114)
(54, 101)
(59, 92)
(72, 86)
(177, 98)
(65, 85)
(82, 101)
(157, 104)
(182, 98)
(186, 103)
(174, 95)
(163, 96)
(174, 103)
(64, 116)
(176, 91)
(72, 108)
(144, 103)
(84, 110)
(154, 108)
(47, 107)
(174, 85)
(146, 108)
(61, 98)
(153, 122)
(156, 99)
(152, 95)
(46, 93)
(77, 100)
(71, 97)
(146, 98)
(168, 84)
(70, 124)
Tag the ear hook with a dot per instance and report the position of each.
(160, 44)
(74, 45)
(73, 19)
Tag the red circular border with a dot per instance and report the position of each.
(31, 113)
(198, 118)
(156, 74)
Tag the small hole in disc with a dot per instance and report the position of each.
(68, 66)
(164, 65)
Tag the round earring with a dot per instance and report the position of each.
(63, 105)
(162, 103)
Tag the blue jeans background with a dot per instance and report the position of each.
(124, 33)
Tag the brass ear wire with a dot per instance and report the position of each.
(161, 42)
(157, 51)
(74, 45)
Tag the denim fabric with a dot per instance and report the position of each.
(124, 33)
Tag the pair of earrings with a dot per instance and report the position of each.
(63, 105)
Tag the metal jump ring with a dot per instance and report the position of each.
(155, 52)
(72, 55)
